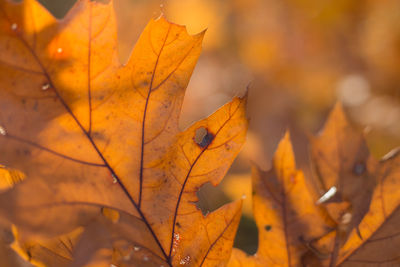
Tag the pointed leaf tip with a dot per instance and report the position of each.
(163, 19)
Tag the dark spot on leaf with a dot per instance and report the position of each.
(178, 225)
(98, 135)
(144, 83)
(268, 227)
(359, 168)
(203, 137)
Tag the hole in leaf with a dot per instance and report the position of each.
(203, 137)
(58, 8)
(210, 198)
(247, 235)
(268, 227)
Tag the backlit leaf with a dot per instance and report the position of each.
(286, 214)
(91, 133)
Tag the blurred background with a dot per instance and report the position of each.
(297, 58)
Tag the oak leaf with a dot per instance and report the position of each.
(90, 133)
(366, 233)
(285, 212)
(297, 230)
(343, 163)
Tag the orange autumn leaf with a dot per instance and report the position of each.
(285, 213)
(367, 226)
(91, 133)
(111, 180)
(379, 228)
(342, 161)
(297, 230)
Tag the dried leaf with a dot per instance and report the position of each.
(296, 230)
(380, 226)
(367, 199)
(342, 161)
(286, 215)
(91, 133)
(379, 241)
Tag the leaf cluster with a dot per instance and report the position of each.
(103, 176)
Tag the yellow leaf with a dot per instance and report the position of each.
(91, 133)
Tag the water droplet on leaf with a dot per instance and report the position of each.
(185, 260)
(176, 236)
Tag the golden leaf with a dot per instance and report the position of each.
(285, 212)
(91, 133)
